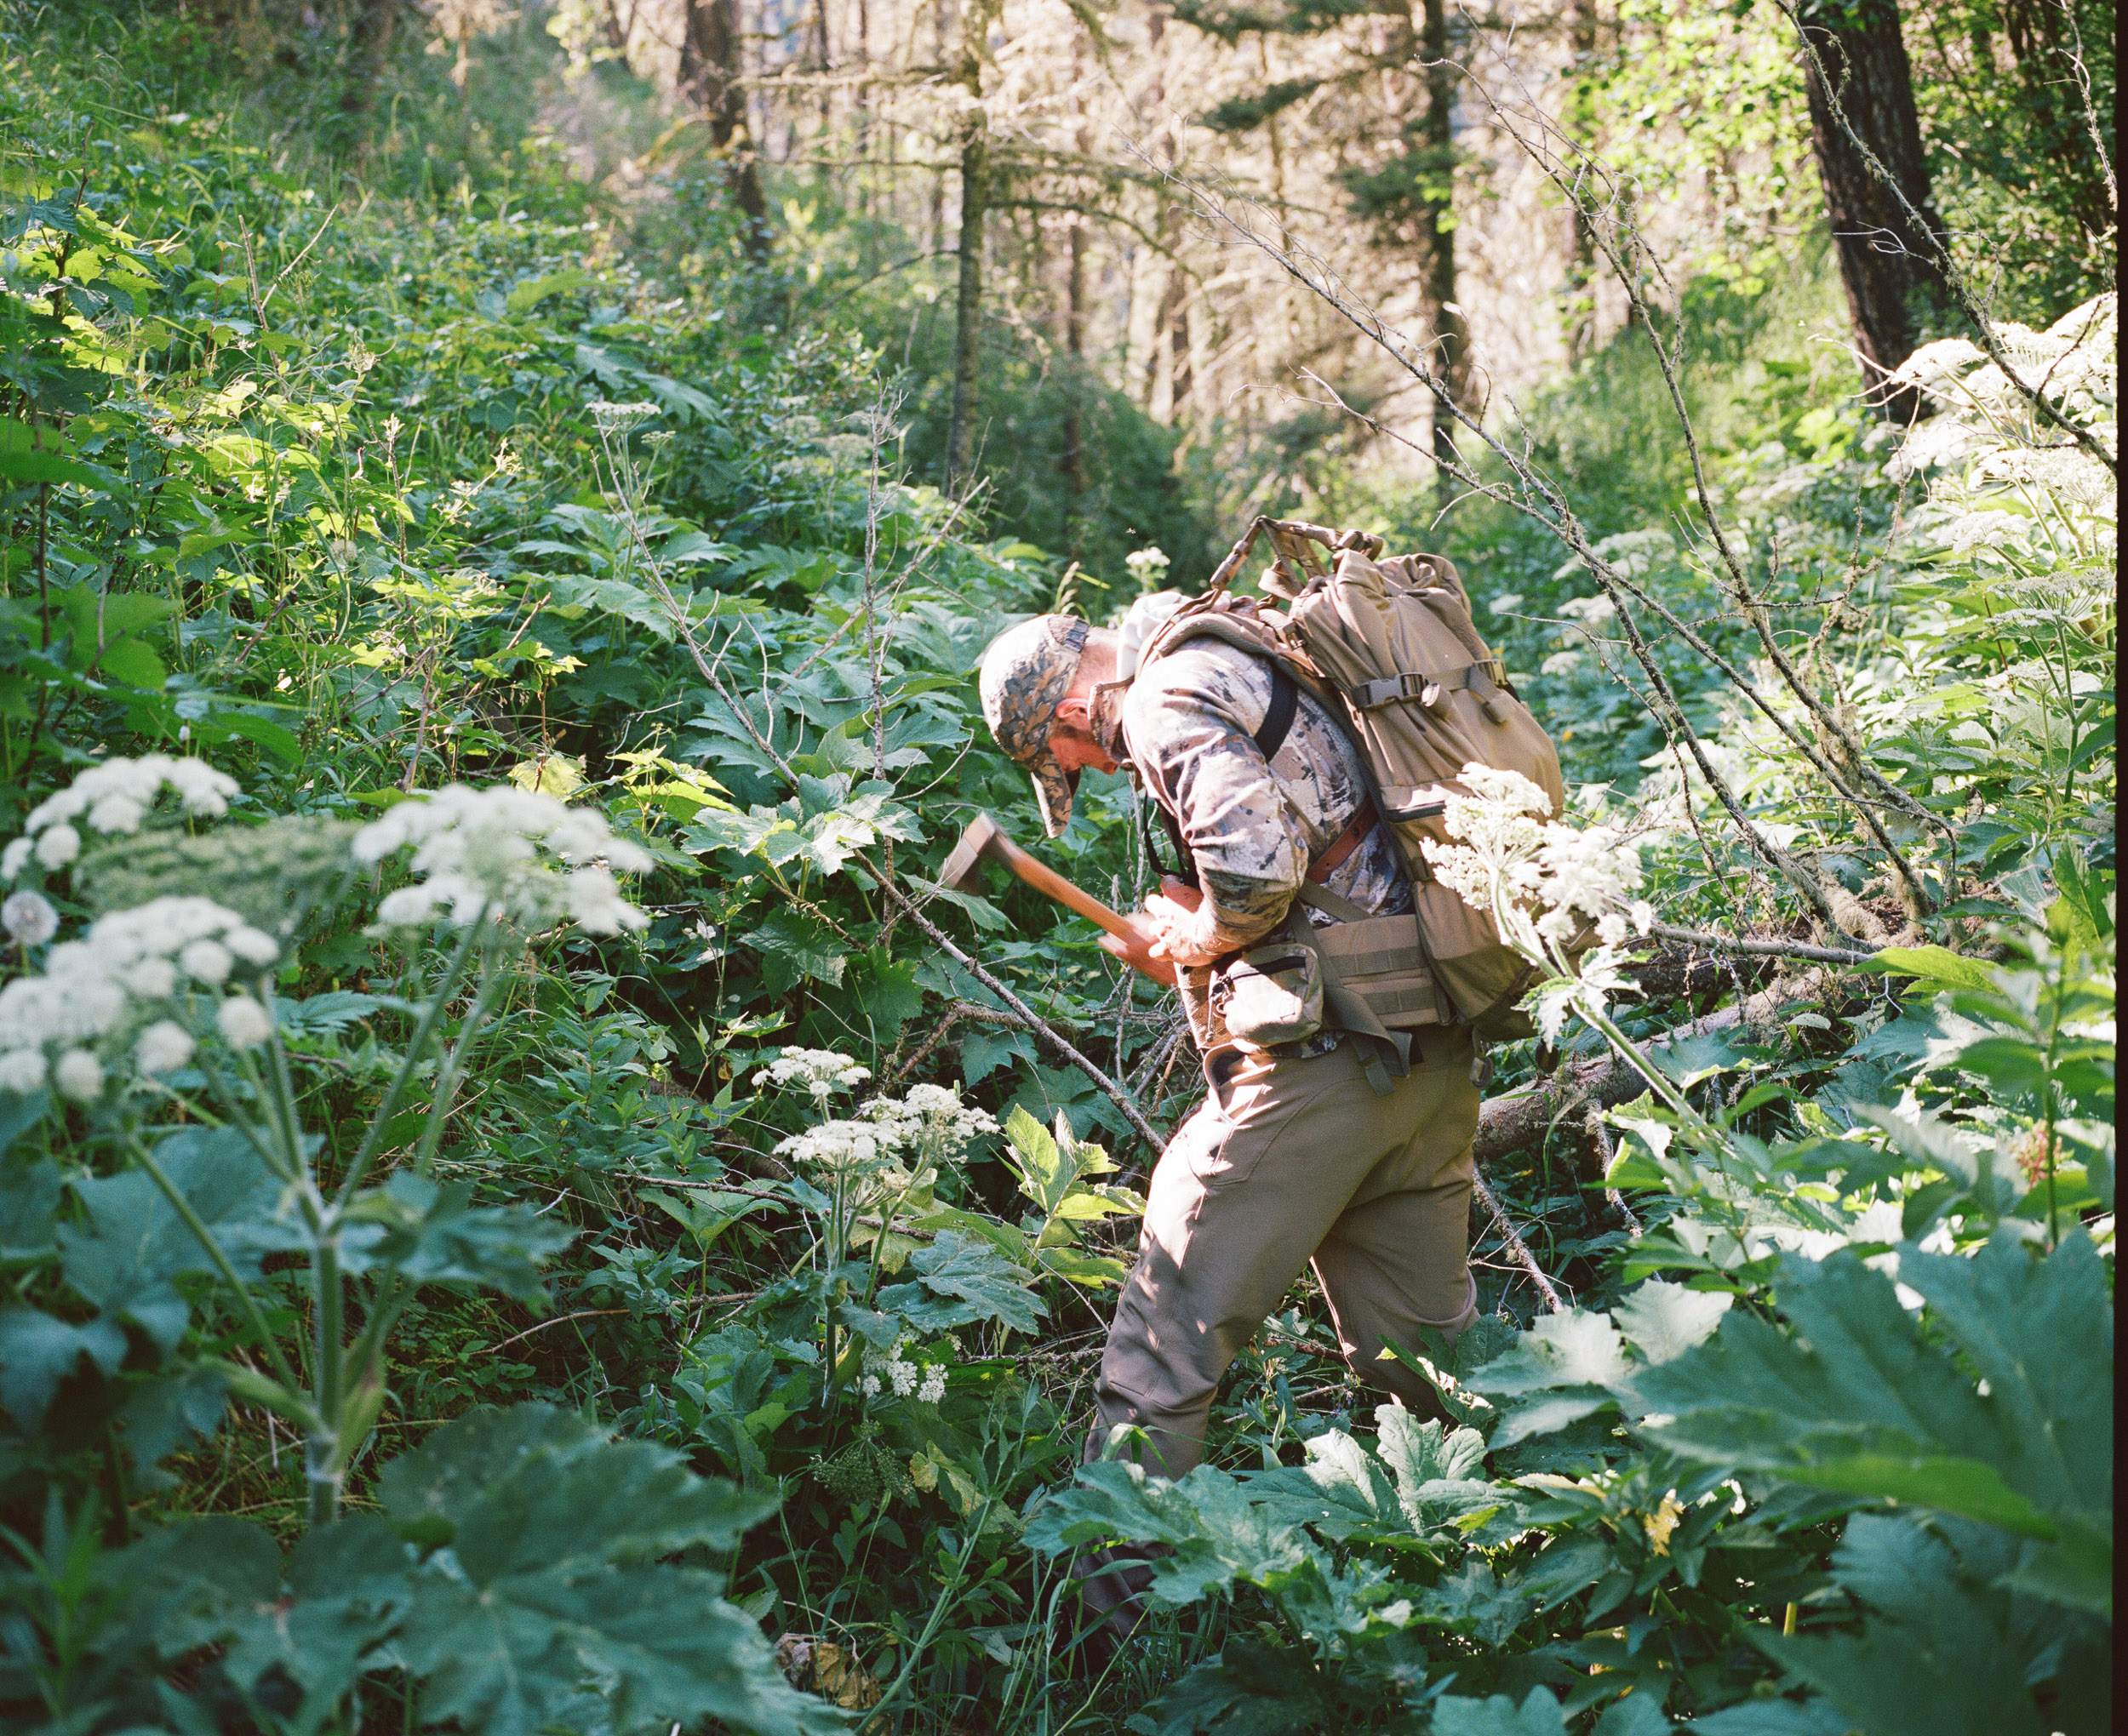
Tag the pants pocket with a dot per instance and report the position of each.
(1251, 1120)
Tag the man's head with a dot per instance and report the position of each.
(1038, 682)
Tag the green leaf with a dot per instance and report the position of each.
(793, 949)
(1250, 1689)
(1473, 1599)
(1636, 1713)
(38, 1352)
(132, 1242)
(1342, 1490)
(980, 1281)
(347, 1586)
(533, 1487)
(547, 1610)
(162, 1414)
(1539, 1715)
(38, 455)
(1663, 1321)
(1943, 1655)
(434, 1234)
(133, 661)
(29, 1209)
(1216, 1533)
(1546, 1416)
(1776, 1717)
(1858, 1402)
(1935, 966)
(530, 293)
(263, 731)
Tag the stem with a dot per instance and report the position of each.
(192, 1222)
(367, 1154)
(454, 1067)
(321, 1449)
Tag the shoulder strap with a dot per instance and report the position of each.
(1278, 720)
(1278, 724)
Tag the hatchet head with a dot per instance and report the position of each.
(963, 871)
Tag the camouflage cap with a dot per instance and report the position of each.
(1025, 674)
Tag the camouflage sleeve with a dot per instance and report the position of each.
(1190, 724)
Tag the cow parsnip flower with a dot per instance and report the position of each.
(820, 1072)
(113, 799)
(504, 853)
(135, 968)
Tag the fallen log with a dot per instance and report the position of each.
(1523, 1116)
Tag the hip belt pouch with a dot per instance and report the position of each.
(1271, 994)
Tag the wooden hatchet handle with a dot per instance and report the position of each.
(1047, 880)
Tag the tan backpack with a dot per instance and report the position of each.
(1389, 649)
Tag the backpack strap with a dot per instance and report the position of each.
(1485, 679)
(1278, 724)
(1278, 720)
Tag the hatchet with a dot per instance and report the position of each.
(984, 842)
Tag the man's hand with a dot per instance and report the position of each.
(1157, 944)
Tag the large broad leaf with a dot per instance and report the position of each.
(1250, 1689)
(1216, 1533)
(508, 1573)
(1942, 1651)
(123, 1257)
(37, 1352)
(1342, 1490)
(540, 1605)
(977, 1281)
(633, 1650)
(433, 1235)
(1663, 1321)
(533, 1487)
(1857, 1401)
(1539, 1715)
(347, 1586)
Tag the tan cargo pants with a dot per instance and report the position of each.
(1290, 1161)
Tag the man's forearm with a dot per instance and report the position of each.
(1237, 911)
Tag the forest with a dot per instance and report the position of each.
(532, 1200)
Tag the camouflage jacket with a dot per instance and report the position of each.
(1187, 724)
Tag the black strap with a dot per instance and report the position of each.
(1185, 868)
(1278, 724)
(1278, 720)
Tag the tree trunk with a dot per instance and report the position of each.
(368, 43)
(1856, 73)
(1436, 242)
(967, 301)
(709, 78)
(1073, 464)
(1580, 265)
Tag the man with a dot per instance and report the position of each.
(1294, 1156)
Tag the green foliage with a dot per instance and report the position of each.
(474, 474)
(509, 1581)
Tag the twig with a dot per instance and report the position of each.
(1516, 1244)
(1753, 947)
(581, 1314)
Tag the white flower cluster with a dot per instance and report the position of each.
(907, 1379)
(130, 962)
(479, 852)
(930, 1120)
(112, 798)
(842, 1147)
(1512, 858)
(928, 1124)
(820, 1071)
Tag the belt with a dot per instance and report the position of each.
(1349, 840)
